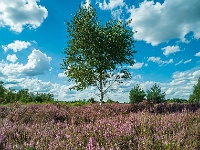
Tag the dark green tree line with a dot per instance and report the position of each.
(23, 95)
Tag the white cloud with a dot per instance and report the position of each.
(187, 61)
(10, 69)
(38, 63)
(180, 86)
(112, 4)
(197, 54)
(117, 14)
(62, 75)
(179, 63)
(157, 23)
(137, 77)
(159, 61)
(19, 13)
(136, 66)
(16, 46)
(182, 83)
(61, 92)
(170, 50)
(12, 58)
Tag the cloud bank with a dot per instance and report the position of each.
(157, 23)
(38, 63)
(17, 14)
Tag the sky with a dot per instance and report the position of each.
(33, 36)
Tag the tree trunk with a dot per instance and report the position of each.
(101, 88)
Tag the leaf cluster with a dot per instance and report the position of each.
(137, 94)
(155, 94)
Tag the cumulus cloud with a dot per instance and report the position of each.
(182, 83)
(37, 64)
(197, 54)
(12, 58)
(10, 69)
(16, 46)
(157, 23)
(159, 61)
(19, 13)
(170, 50)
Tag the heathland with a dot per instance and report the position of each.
(60, 126)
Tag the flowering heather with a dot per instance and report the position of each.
(107, 127)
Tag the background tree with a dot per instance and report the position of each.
(136, 94)
(23, 95)
(195, 97)
(96, 52)
(2, 92)
(10, 96)
(155, 94)
(44, 97)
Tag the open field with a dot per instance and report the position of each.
(111, 126)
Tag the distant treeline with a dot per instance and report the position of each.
(23, 95)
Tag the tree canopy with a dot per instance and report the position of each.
(155, 94)
(95, 52)
(195, 97)
(136, 94)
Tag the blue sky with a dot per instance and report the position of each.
(33, 36)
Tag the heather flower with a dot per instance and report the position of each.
(113, 126)
(90, 145)
(2, 140)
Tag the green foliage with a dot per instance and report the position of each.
(109, 101)
(195, 97)
(42, 97)
(91, 100)
(23, 95)
(10, 96)
(2, 91)
(155, 94)
(78, 102)
(96, 51)
(177, 100)
(136, 94)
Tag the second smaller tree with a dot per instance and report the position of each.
(137, 94)
(155, 94)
